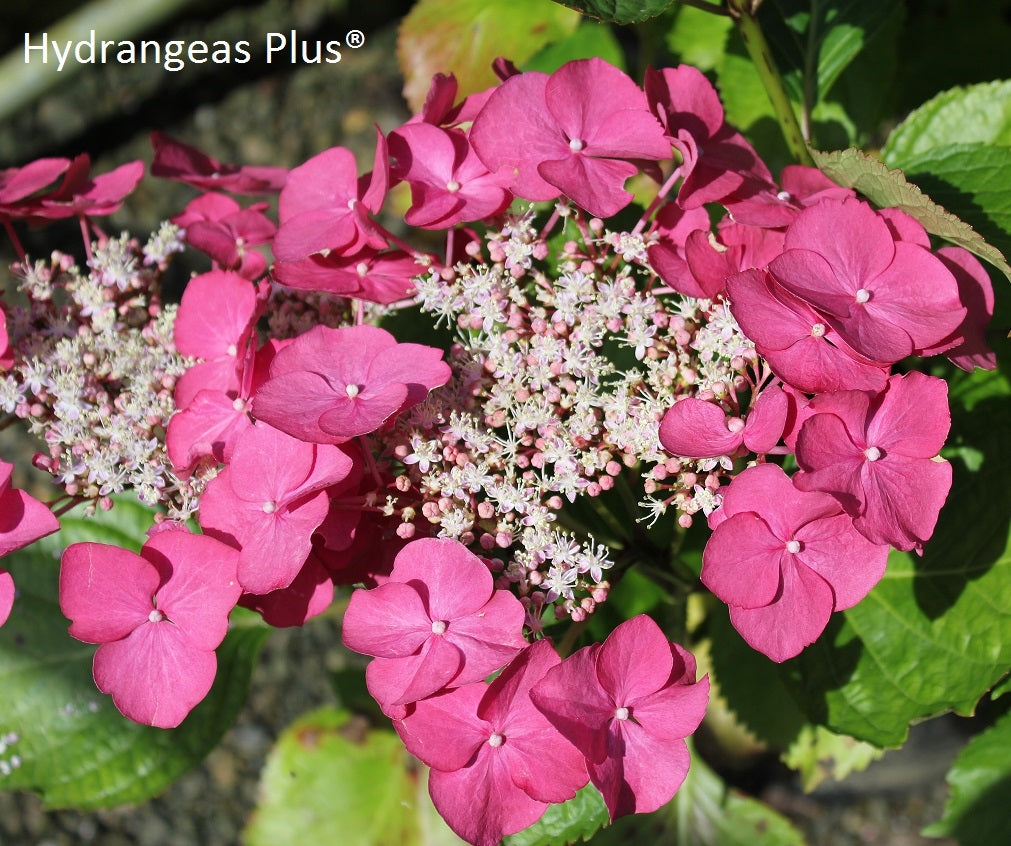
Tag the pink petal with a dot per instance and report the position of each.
(850, 563)
(794, 620)
(488, 639)
(154, 674)
(23, 520)
(349, 417)
(766, 420)
(596, 185)
(202, 587)
(389, 621)
(913, 418)
(214, 314)
(105, 591)
(400, 681)
(7, 591)
(308, 596)
(452, 581)
(742, 561)
(640, 773)
(634, 661)
(444, 731)
(674, 711)
(695, 428)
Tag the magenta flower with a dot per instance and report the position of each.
(376, 277)
(23, 520)
(324, 206)
(331, 385)
(784, 560)
(449, 183)
(570, 133)
(695, 428)
(81, 195)
(800, 345)
(878, 456)
(158, 616)
(438, 622)
(496, 760)
(269, 500)
(627, 704)
(218, 226)
(175, 160)
(885, 298)
(17, 184)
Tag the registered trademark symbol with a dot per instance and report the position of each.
(355, 38)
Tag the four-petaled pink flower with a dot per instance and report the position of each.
(158, 616)
(438, 622)
(331, 385)
(496, 761)
(784, 560)
(877, 454)
(627, 704)
(570, 133)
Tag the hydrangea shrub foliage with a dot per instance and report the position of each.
(677, 422)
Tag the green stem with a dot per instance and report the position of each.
(744, 14)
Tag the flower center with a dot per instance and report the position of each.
(269, 507)
(818, 330)
(232, 350)
(496, 740)
(863, 295)
(352, 391)
(621, 713)
(576, 145)
(872, 453)
(452, 186)
(784, 196)
(155, 616)
(793, 546)
(439, 627)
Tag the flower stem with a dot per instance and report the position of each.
(744, 13)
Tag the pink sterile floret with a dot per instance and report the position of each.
(158, 616)
(23, 520)
(570, 133)
(17, 184)
(331, 385)
(784, 560)
(80, 194)
(269, 500)
(220, 227)
(496, 761)
(878, 455)
(175, 160)
(885, 298)
(694, 428)
(627, 705)
(438, 622)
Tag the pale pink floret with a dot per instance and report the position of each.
(438, 622)
(331, 385)
(784, 560)
(627, 705)
(878, 455)
(496, 760)
(158, 616)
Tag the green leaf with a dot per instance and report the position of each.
(935, 633)
(818, 754)
(699, 38)
(330, 772)
(812, 51)
(589, 40)
(972, 181)
(73, 747)
(620, 11)
(977, 811)
(570, 822)
(889, 189)
(465, 36)
(979, 114)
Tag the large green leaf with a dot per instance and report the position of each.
(978, 114)
(332, 779)
(980, 780)
(972, 181)
(465, 36)
(935, 634)
(812, 50)
(72, 746)
(890, 189)
(620, 11)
